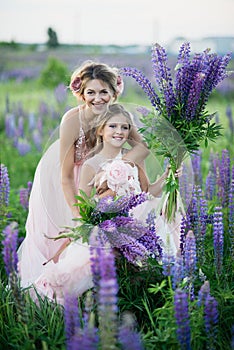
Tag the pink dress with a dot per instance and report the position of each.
(48, 214)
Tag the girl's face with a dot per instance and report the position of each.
(116, 131)
(97, 95)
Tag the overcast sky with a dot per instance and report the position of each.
(118, 22)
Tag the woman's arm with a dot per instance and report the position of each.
(69, 131)
(139, 150)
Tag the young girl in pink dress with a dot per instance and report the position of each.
(112, 166)
(56, 180)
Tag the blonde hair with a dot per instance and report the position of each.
(94, 139)
(91, 70)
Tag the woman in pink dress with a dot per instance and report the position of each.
(56, 180)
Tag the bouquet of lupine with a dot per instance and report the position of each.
(109, 220)
(179, 122)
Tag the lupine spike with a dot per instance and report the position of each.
(231, 214)
(71, 318)
(9, 252)
(4, 188)
(107, 299)
(163, 76)
(144, 83)
(218, 232)
(211, 319)
(182, 319)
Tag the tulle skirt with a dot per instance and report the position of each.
(48, 214)
(169, 233)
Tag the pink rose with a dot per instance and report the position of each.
(118, 173)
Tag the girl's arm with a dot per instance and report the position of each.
(87, 174)
(69, 131)
(156, 188)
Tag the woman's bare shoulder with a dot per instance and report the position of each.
(71, 114)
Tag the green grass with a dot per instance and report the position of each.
(26, 325)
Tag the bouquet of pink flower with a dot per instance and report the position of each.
(120, 177)
(178, 122)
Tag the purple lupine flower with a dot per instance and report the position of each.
(24, 194)
(40, 124)
(150, 240)
(128, 337)
(31, 121)
(83, 334)
(168, 262)
(43, 109)
(210, 186)
(196, 159)
(9, 251)
(214, 75)
(203, 293)
(109, 204)
(177, 272)
(121, 205)
(183, 62)
(71, 318)
(60, 93)
(134, 200)
(144, 83)
(194, 96)
(163, 77)
(20, 129)
(134, 251)
(224, 183)
(231, 214)
(230, 118)
(10, 125)
(182, 319)
(23, 146)
(4, 187)
(143, 110)
(197, 220)
(107, 298)
(120, 229)
(37, 139)
(218, 238)
(85, 339)
(211, 316)
(190, 260)
(186, 184)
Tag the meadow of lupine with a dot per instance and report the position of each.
(175, 303)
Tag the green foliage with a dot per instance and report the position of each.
(53, 39)
(54, 73)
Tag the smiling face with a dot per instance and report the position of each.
(97, 96)
(116, 131)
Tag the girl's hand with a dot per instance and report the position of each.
(178, 172)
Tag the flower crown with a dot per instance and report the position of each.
(76, 84)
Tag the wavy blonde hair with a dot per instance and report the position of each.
(91, 70)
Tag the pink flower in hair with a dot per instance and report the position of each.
(76, 84)
(120, 85)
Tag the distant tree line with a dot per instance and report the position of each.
(53, 38)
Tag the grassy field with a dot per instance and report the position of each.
(148, 294)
